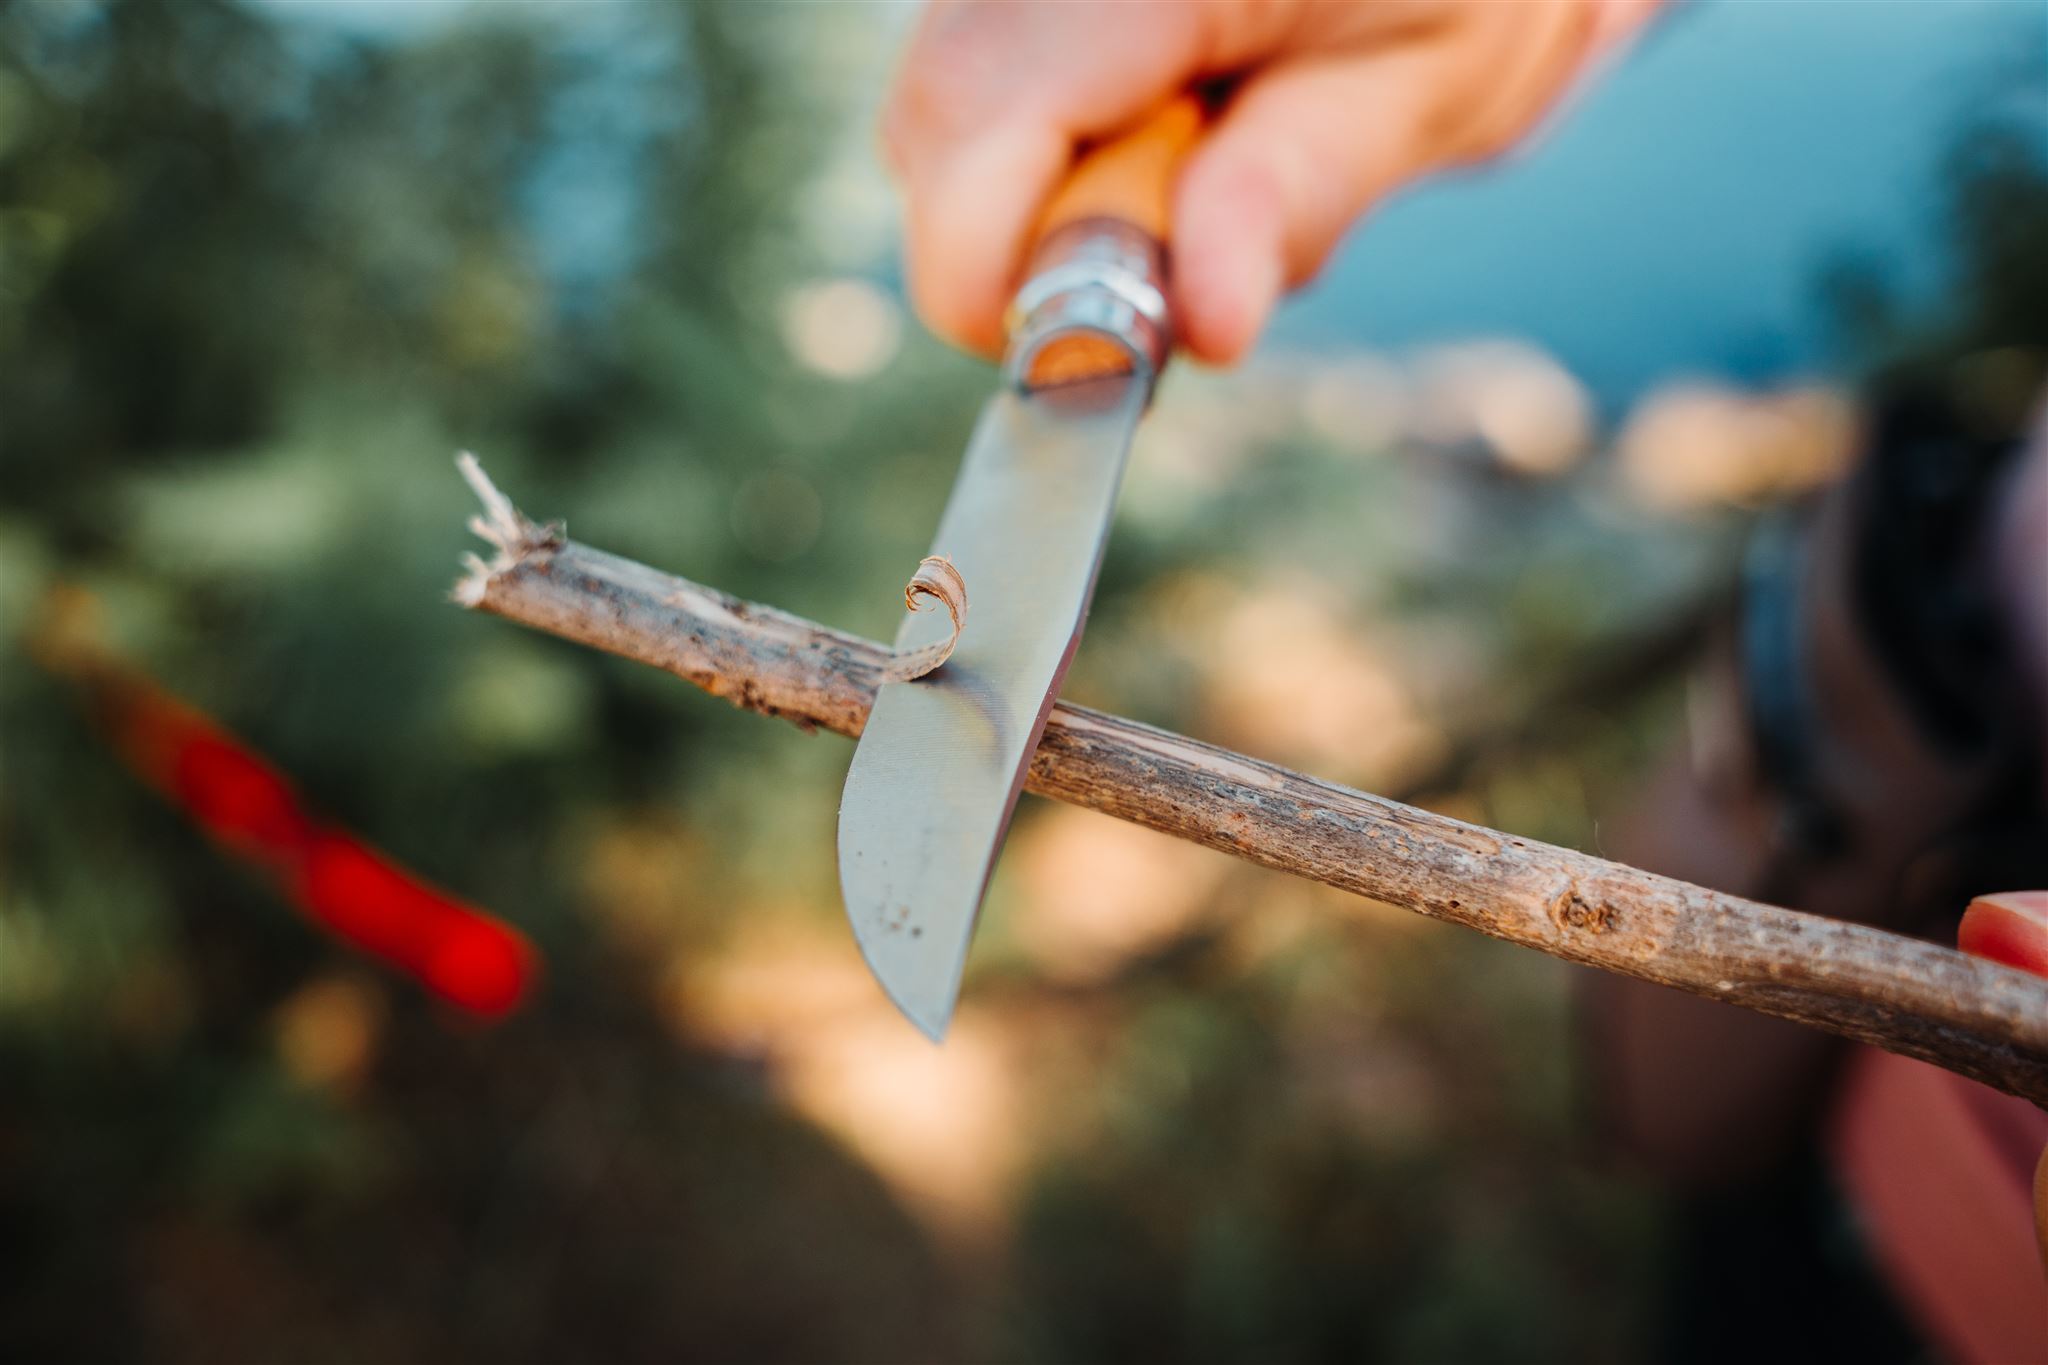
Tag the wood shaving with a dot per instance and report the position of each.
(937, 579)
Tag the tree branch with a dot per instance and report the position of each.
(1977, 1018)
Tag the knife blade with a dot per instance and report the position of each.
(939, 767)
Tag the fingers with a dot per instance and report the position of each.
(1308, 146)
(984, 120)
(966, 233)
(1272, 189)
(2009, 927)
(1343, 103)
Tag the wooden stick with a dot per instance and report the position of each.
(1977, 1018)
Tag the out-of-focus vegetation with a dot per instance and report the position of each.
(259, 279)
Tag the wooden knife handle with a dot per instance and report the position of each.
(1094, 304)
(1130, 177)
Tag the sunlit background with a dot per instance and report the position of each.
(1451, 535)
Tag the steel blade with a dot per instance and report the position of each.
(939, 767)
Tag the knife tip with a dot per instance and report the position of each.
(919, 971)
(932, 1017)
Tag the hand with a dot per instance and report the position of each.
(2013, 927)
(1338, 103)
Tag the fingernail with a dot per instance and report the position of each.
(2009, 927)
(2030, 904)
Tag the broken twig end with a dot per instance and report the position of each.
(509, 531)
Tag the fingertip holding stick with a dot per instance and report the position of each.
(937, 580)
(2010, 927)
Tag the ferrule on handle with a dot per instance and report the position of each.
(1094, 303)
(1093, 306)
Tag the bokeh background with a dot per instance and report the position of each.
(1454, 534)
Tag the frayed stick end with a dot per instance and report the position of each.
(510, 532)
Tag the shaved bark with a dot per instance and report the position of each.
(1977, 1018)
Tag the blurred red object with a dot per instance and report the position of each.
(461, 954)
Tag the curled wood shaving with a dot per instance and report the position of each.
(936, 578)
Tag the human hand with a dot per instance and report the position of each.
(1338, 102)
(2012, 927)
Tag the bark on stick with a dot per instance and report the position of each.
(1976, 1018)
